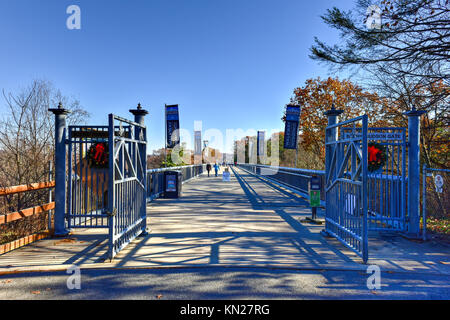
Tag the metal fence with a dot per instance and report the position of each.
(387, 186)
(87, 186)
(295, 179)
(435, 196)
(155, 178)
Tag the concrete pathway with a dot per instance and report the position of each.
(246, 224)
(221, 283)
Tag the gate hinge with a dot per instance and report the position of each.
(111, 214)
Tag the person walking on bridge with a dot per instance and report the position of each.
(208, 168)
(216, 169)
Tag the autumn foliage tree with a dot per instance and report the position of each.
(435, 131)
(317, 96)
(401, 94)
(404, 57)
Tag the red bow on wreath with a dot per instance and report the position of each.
(98, 155)
(373, 153)
(99, 151)
(377, 156)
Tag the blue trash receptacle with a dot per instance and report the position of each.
(172, 184)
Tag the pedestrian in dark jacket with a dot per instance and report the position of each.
(208, 168)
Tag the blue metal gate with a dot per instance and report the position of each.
(387, 186)
(112, 195)
(127, 183)
(347, 184)
(87, 189)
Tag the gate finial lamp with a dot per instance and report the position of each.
(139, 111)
(333, 111)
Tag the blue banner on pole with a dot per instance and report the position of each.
(172, 126)
(291, 126)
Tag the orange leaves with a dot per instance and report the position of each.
(317, 96)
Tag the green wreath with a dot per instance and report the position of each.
(377, 156)
(98, 155)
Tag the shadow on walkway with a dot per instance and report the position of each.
(246, 222)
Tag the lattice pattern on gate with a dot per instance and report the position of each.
(87, 185)
(127, 172)
(387, 186)
(346, 184)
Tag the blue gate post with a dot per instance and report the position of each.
(330, 135)
(60, 170)
(414, 171)
(139, 117)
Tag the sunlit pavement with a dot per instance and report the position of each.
(224, 240)
(222, 283)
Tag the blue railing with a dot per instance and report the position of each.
(296, 180)
(155, 178)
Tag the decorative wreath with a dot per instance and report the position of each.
(377, 156)
(98, 155)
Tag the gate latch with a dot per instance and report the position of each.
(113, 213)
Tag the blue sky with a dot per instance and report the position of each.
(231, 63)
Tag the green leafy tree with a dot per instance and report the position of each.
(413, 37)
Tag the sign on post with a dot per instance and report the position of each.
(386, 136)
(172, 126)
(314, 199)
(439, 182)
(314, 192)
(291, 126)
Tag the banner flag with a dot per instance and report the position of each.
(172, 125)
(291, 126)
